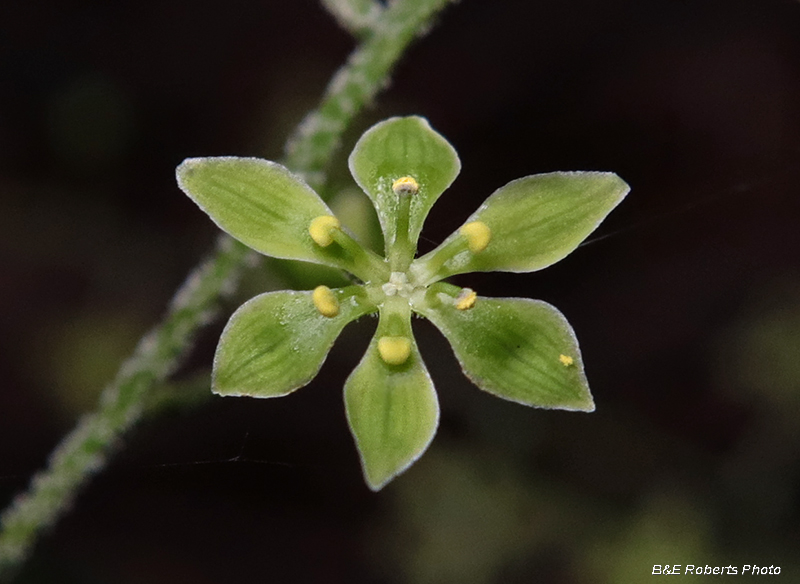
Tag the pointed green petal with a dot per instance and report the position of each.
(277, 342)
(534, 222)
(264, 206)
(400, 147)
(519, 349)
(392, 410)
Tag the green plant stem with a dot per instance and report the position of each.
(85, 450)
(356, 84)
(357, 16)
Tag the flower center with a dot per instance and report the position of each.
(399, 285)
(411, 285)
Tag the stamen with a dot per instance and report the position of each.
(477, 234)
(325, 301)
(466, 299)
(405, 186)
(566, 360)
(394, 350)
(400, 250)
(321, 229)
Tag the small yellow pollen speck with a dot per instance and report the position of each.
(478, 235)
(405, 185)
(321, 229)
(566, 360)
(394, 350)
(325, 301)
(466, 299)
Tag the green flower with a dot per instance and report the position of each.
(518, 349)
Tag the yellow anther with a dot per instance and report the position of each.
(405, 185)
(466, 299)
(477, 234)
(321, 229)
(566, 360)
(394, 350)
(325, 301)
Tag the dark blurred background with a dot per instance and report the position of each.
(686, 300)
